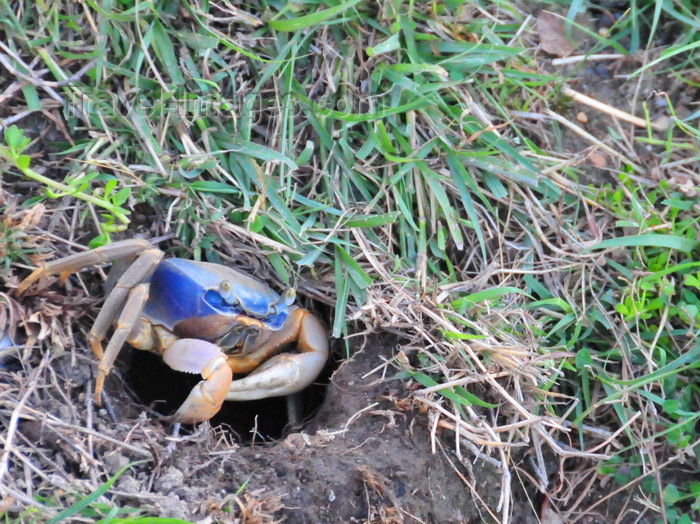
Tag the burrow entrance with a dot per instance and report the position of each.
(164, 390)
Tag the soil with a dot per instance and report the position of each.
(364, 456)
(616, 84)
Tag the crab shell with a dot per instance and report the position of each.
(208, 300)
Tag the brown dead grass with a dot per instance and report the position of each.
(54, 435)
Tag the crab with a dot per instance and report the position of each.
(201, 318)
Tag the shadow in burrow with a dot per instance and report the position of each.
(164, 390)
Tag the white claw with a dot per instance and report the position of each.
(191, 355)
(281, 375)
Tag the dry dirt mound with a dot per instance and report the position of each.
(364, 457)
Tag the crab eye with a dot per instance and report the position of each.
(289, 296)
(226, 293)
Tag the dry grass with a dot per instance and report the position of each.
(457, 205)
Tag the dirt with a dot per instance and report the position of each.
(614, 82)
(365, 456)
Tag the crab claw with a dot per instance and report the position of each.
(192, 355)
(287, 373)
(281, 375)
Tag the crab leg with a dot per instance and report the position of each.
(125, 325)
(136, 273)
(72, 263)
(192, 355)
(287, 373)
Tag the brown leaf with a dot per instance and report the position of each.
(550, 515)
(598, 160)
(552, 36)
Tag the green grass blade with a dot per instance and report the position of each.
(313, 19)
(76, 508)
(649, 240)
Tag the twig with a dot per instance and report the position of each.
(585, 134)
(277, 246)
(29, 501)
(35, 80)
(580, 58)
(139, 451)
(610, 110)
(15, 118)
(358, 415)
(472, 488)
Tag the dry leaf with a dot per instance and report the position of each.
(552, 36)
(550, 516)
(597, 160)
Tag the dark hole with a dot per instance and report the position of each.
(163, 389)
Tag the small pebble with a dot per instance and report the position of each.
(114, 462)
(129, 484)
(172, 507)
(663, 122)
(171, 479)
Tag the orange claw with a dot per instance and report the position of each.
(199, 356)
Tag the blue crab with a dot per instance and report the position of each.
(201, 318)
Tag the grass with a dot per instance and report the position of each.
(404, 164)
